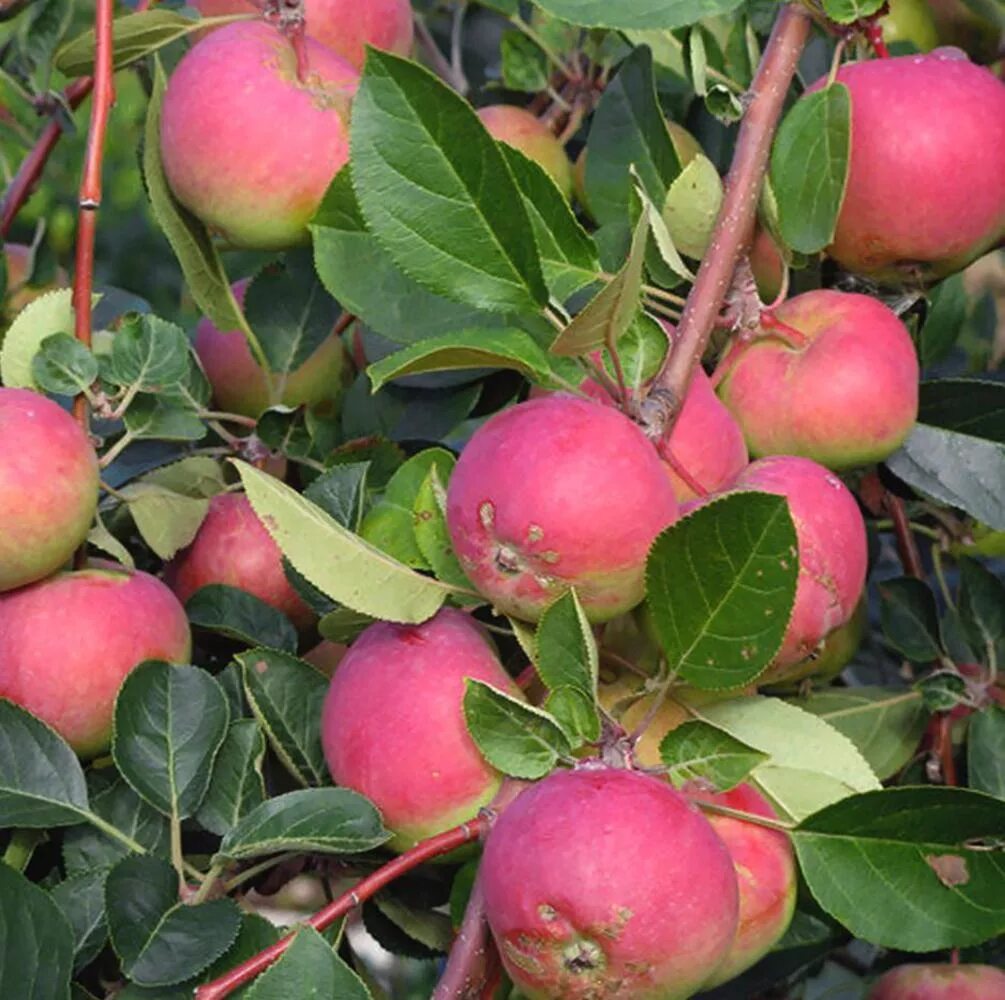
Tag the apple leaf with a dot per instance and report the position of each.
(636, 13)
(971, 406)
(82, 900)
(986, 751)
(981, 609)
(236, 785)
(242, 616)
(63, 365)
(910, 618)
(697, 750)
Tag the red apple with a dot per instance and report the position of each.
(602, 882)
(393, 724)
(326, 656)
(940, 982)
(523, 131)
(234, 548)
(838, 384)
(240, 385)
(48, 487)
(246, 146)
(67, 644)
(926, 180)
(344, 26)
(768, 265)
(553, 493)
(20, 291)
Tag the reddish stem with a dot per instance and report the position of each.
(467, 967)
(907, 547)
(734, 226)
(782, 331)
(874, 33)
(944, 748)
(436, 846)
(681, 472)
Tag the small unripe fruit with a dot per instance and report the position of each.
(233, 547)
(67, 644)
(48, 487)
(767, 264)
(523, 131)
(846, 395)
(603, 882)
(940, 982)
(20, 292)
(241, 386)
(393, 724)
(246, 146)
(926, 179)
(554, 493)
(765, 873)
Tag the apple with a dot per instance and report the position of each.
(241, 385)
(926, 181)
(553, 493)
(523, 131)
(233, 547)
(829, 375)
(393, 724)
(20, 291)
(605, 882)
(48, 487)
(68, 642)
(344, 26)
(326, 656)
(940, 982)
(768, 265)
(248, 147)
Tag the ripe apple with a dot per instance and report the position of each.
(234, 548)
(765, 873)
(240, 385)
(20, 291)
(48, 487)
(553, 493)
(68, 642)
(344, 26)
(248, 147)
(768, 265)
(393, 725)
(523, 131)
(326, 656)
(839, 384)
(605, 882)
(925, 192)
(940, 982)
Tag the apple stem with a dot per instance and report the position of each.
(874, 33)
(907, 547)
(681, 472)
(471, 954)
(781, 330)
(734, 225)
(757, 820)
(425, 851)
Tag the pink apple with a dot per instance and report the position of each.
(523, 131)
(393, 724)
(554, 493)
(240, 385)
(67, 644)
(246, 146)
(926, 181)
(768, 265)
(48, 487)
(838, 383)
(602, 882)
(344, 26)
(234, 548)
(940, 982)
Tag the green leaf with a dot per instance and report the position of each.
(285, 695)
(636, 13)
(692, 206)
(514, 737)
(982, 609)
(169, 724)
(255, 935)
(465, 349)
(236, 786)
(811, 764)
(47, 315)
(320, 820)
(942, 691)
(309, 970)
(610, 313)
(160, 940)
(955, 469)
(699, 751)
(242, 616)
(432, 536)
(566, 649)
(629, 130)
(100, 537)
(847, 11)
(435, 191)
(343, 625)
(524, 65)
(909, 868)
(669, 257)
(63, 365)
(809, 167)
(166, 520)
(885, 724)
(163, 418)
(36, 941)
(576, 712)
(339, 563)
(341, 492)
(290, 311)
(720, 585)
(197, 476)
(82, 900)
(41, 781)
(149, 353)
(986, 751)
(971, 406)
(642, 350)
(944, 321)
(910, 618)
(205, 276)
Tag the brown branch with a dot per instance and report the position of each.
(471, 955)
(436, 846)
(907, 546)
(734, 226)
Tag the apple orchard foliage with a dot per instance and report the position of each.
(397, 406)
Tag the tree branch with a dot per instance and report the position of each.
(465, 971)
